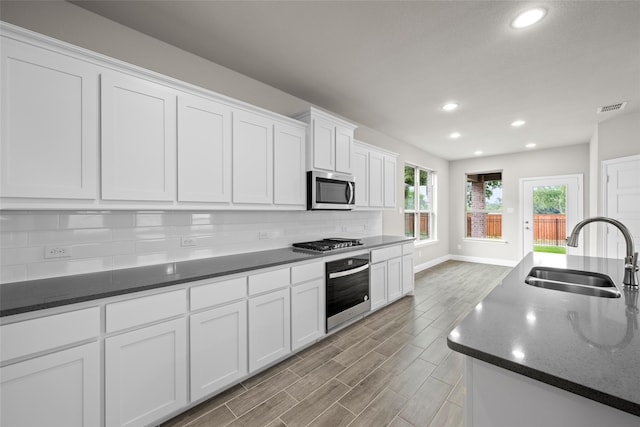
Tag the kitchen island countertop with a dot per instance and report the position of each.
(22, 297)
(586, 345)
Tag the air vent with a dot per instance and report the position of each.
(612, 107)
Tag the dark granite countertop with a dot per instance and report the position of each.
(22, 297)
(583, 344)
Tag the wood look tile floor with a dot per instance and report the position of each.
(392, 368)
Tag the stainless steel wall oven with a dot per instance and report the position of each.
(347, 289)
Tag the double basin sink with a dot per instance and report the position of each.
(574, 281)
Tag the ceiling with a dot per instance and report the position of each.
(391, 65)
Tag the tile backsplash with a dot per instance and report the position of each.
(98, 241)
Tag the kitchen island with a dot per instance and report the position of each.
(543, 357)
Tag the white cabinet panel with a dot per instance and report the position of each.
(361, 174)
(289, 182)
(59, 389)
(344, 149)
(219, 292)
(269, 281)
(204, 150)
(378, 285)
(394, 279)
(46, 333)
(376, 180)
(269, 328)
(408, 276)
(252, 158)
(307, 313)
(49, 124)
(138, 139)
(390, 182)
(146, 374)
(323, 144)
(218, 348)
(138, 311)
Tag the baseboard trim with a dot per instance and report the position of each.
(429, 264)
(494, 261)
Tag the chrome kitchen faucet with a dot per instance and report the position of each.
(630, 260)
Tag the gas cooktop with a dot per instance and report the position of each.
(326, 245)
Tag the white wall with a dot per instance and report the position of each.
(559, 161)
(67, 22)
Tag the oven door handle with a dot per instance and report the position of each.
(348, 272)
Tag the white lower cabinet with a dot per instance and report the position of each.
(378, 285)
(218, 348)
(394, 279)
(269, 328)
(58, 389)
(407, 274)
(146, 374)
(307, 313)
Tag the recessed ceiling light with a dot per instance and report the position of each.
(455, 135)
(518, 123)
(529, 17)
(450, 106)
(530, 145)
(477, 152)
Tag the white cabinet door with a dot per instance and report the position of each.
(49, 124)
(252, 158)
(204, 150)
(407, 274)
(376, 179)
(389, 182)
(324, 143)
(307, 313)
(344, 149)
(378, 285)
(361, 174)
(269, 328)
(145, 374)
(138, 139)
(289, 182)
(59, 389)
(218, 348)
(394, 279)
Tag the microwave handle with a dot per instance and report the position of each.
(350, 192)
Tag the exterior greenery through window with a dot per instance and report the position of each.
(484, 205)
(419, 203)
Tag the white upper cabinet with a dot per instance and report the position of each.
(289, 182)
(375, 171)
(204, 150)
(390, 180)
(252, 158)
(49, 124)
(329, 142)
(360, 162)
(138, 139)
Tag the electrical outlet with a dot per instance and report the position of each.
(187, 241)
(262, 235)
(459, 247)
(57, 252)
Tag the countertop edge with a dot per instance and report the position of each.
(572, 387)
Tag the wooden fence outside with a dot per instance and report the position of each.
(549, 229)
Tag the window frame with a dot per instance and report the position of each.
(431, 212)
(469, 209)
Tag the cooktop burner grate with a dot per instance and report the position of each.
(326, 245)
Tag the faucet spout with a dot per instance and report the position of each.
(631, 258)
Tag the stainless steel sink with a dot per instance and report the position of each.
(575, 281)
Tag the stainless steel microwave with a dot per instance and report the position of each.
(328, 190)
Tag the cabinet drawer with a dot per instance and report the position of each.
(306, 272)
(269, 281)
(211, 294)
(407, 248)
(31, 336)
(135, 312)
(378, 255)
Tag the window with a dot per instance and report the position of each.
(484, 205)
(419, 203)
